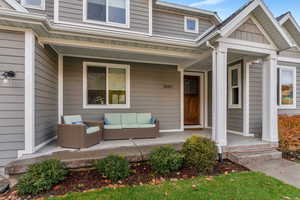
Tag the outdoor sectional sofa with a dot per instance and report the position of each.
(124, 126)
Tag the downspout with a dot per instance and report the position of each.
(220, 155)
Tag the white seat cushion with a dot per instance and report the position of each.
(130, 126)
(72, 119)
(92, 129)
(146, 125)
(112, 127)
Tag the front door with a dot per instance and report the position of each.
(191, 100)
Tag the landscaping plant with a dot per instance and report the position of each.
(289, 132)
(200, 152)
(114, 167)
(41, 177)
(165, 159)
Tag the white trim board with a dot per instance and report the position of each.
(14, 4)
(60, 87)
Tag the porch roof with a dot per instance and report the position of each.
(259, 10)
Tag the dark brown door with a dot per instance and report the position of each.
(191, 100)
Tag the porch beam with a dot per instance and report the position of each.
(219, 104)
(270, 112)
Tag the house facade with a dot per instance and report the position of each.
(184, 65)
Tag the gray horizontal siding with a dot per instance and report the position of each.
(72, 11)
(147, 92)
(297, 110)
(291, 53)
(12, 96)
(46, 94)
(249, 32)
(172, 25)
(255, 99)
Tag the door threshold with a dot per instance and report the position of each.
(192, 126)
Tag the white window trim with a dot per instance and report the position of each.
(126, 25)
(231, 68)
(196, 24)
(41, 7)
(107, 106)
(294, 105)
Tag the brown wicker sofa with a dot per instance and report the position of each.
(74, 133)
(124, 126)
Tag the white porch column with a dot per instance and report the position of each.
(219, 96)
(270, 124)
(29, 92)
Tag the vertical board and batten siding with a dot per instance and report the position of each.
(172, 25)
(295, 111)
(255, 99)
(249, 32)
(12, 96)
(49, 9)
(147, 92)
(46, 93)
(72, 11)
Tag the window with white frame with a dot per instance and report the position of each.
(286, 87)
(106, 85)
(235, 85)
(35, 4)
(191, 24)
(112, 12)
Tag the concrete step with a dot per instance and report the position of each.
(250, 148)
(244, 158)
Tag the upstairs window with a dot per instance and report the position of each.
(287, 87)
(235, 85)
(113, 12)
(191, 25)
(34, 4)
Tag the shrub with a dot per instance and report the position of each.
(41, 177)
(113, 167)
(165, 159)
(289, 132)
(200, 153)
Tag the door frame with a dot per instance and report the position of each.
(202, 92)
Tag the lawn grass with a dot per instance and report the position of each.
(235, 186)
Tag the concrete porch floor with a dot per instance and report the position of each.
(165, 138)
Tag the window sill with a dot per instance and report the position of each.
(190, 31)
(287, 107)
(106, 106)
(107, 23)
(234, 107)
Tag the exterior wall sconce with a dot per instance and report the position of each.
(6, 76)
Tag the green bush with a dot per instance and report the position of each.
(113, 167)
(41, 177)
(200, 153)
(165, 159)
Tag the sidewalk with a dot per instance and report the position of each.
(284, 170)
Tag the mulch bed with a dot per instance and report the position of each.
(87, 179)
(291, 155)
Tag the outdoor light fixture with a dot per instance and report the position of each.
(6, 76)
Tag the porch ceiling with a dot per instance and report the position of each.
(121, 55)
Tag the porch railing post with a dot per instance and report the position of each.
(219, 104)
(270, 113)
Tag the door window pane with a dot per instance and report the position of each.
(117, 11)
(96, 85)
(117, 85)
(96, 10)
(287, 89)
